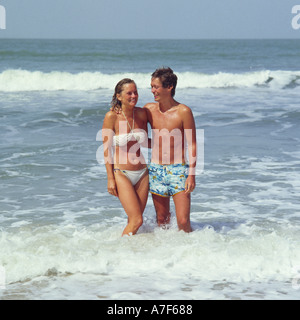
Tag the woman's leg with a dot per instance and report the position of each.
(132, 200)
(142, 191)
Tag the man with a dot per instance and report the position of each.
(172, 126)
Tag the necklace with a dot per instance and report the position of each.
(128, 121)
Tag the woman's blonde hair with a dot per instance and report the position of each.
(115, 103)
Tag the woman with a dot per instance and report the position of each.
(124, 130)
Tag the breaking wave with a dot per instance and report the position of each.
(15, 80)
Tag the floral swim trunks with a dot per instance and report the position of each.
(167, 180)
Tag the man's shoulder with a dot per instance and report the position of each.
(141, 112)
(184, 109)
(151, 106)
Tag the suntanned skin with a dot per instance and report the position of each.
(166, 115)
(132, 198)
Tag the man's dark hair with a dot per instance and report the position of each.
(167, 77)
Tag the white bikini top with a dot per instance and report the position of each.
(122, 139)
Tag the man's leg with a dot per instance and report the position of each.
(162, 208)
(182, 203)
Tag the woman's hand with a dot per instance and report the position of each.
(112, 187)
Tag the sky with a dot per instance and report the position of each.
(149, 19)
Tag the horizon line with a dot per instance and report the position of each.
(139, 39)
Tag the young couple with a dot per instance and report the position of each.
(129, 177)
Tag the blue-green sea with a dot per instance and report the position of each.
(60, 231)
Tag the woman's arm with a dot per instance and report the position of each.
(107, 135)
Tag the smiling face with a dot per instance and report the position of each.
(129, 95)
(160, 93)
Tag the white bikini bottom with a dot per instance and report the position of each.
(133, 176)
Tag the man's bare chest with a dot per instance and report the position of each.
(167, 121)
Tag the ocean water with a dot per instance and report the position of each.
(60, 231)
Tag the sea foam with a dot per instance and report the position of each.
(206, 253)
(15, 80)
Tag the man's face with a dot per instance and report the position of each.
(159, 91)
